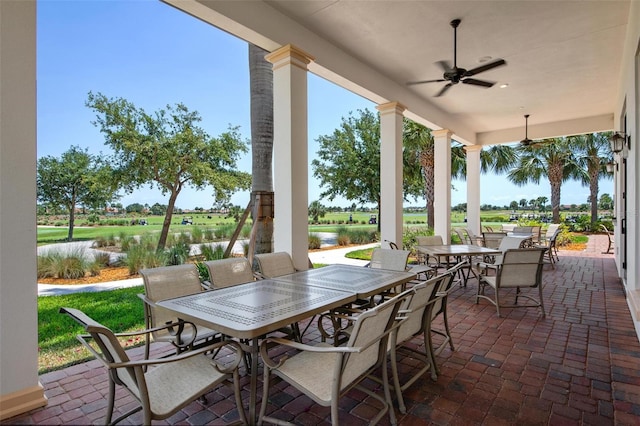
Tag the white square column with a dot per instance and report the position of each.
(442, 179)
(20, 390)
(391, 173)
(290, 153)
(473, 187)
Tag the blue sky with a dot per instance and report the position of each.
(154, 55)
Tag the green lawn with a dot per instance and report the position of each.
(120, 310)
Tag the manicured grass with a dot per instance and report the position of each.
(120, 310)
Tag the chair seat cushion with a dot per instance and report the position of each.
(187, 379)
(302, 371)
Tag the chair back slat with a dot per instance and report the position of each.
(108, 349)
(429, 240)
(493, 239)
(395, 260)
(168, 282)
(229, 272)
(274, 264)
(369, 333)
(521, 268)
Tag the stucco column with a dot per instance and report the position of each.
(290, 153)
(442, 179)
(473, 187)
(391, 173)
(20, 390)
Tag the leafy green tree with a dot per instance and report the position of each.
(552, 159)
(606, 202)
(316, 210)
(76, 178)
(348, 161)
(593, 154)
(169, 150)
(541, 203)
(135, 208)
(158, 209)
(514, 205)
(523, 203)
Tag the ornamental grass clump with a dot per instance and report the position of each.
(314, 242)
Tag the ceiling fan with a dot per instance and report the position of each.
(526, 141)
(455, 75)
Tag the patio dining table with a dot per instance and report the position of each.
(250, 311)
(458, 251)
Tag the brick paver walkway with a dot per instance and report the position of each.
(579, 365)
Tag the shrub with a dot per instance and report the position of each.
(343, 237)
(45, 268)
(196, 235)
(314, 242)
(100, 241)
(246, 231)
(208, 234)
(212, 252)
(178, 254)
(102, 259)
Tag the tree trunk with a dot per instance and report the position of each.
(72, 219)
(261, 85)
(426, 161)
(593, 192)
(162, 242)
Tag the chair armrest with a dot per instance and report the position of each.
(206, 285)
(228, 368)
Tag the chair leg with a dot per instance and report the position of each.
(111, 400)
(265, 395)
(497, 302)
(541, 301)
(387, 393)
(396, 379)
(446, 325)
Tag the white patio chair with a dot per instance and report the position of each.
(170, 383)
(520, 269)
(326, 373)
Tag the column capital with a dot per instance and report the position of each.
(391, 107)
(442, 133)
(472, 148)
(289, 55)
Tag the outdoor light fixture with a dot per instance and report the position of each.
(611, 166)
(617, 141)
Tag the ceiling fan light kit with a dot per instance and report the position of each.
(455, 75)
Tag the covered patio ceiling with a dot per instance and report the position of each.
(563, 57)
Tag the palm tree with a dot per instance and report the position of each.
(316, 210)
(551, 158)
(261, 89)
(418, 160)
(593, 154)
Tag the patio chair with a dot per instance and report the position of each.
(492, 262)
(462, 235)
(433, 262)
(609, 238)
(168, 282)
(228, 272)
(520, 269)
(473, 238)
(170, 384)
(417, 309)
(549, 244)
(439, 309)
(269, 265)
(492, 239)
(326, 373)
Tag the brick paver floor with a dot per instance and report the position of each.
(579, 365)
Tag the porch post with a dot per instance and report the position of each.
(20, 390)
(473, 187)
(391, 173)
(442, 178)
(290, 157)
